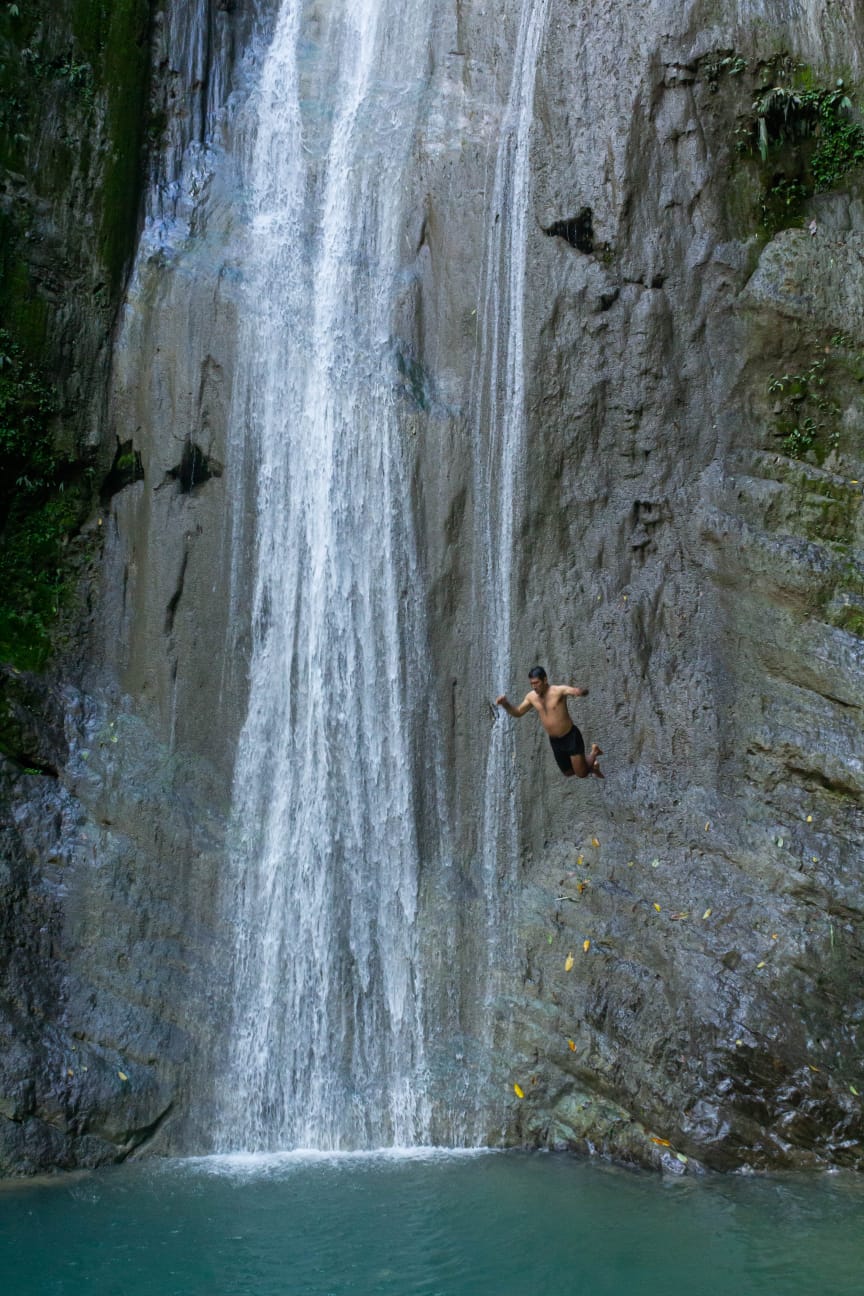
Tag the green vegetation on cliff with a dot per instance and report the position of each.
(73, 115)
(800, 134)
(44, 497)
(807, 135)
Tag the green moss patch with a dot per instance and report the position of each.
(44, 497)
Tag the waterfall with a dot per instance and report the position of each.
(327, 1043)
(336, 804)
(498, 423)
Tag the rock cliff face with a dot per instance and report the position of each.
(113, 823)
(689, 545)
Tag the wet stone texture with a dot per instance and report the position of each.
(106, 885)
(703, 577)
(680, 981)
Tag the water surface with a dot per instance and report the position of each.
(429, 1225)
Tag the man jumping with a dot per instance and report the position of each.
(550, 702)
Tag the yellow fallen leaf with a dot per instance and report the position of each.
(594, 841)
(812, 1068)
(579, 859)
(761, 965)
(660, 1142)
(773, 935)
(586, 945)
(656, 906)
(738, 1042)
(571, 1044)
(580, 886)
(677, 917)
(679, 1156)
(568, 963)
(853, 1090)
(69, 1071)
(708, 825)
(809, 819)
(707, 913)
(518, 1092)
(122, 1075)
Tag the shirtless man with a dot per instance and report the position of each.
(550, 702)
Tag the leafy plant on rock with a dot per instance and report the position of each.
(803, 400)
(787, 114)
(808, 138)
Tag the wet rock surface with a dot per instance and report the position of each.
(108, 982)
(673, 555)
(685, 558)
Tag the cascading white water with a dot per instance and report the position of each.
(327, 1044)
(337, 763)
(498, 420)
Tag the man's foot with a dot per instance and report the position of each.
(595, 750)
(596, 771)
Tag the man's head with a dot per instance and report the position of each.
(539, 682)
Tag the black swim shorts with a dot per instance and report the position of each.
(571, 744)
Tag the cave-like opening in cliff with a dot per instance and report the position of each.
(576, 230)
(126, 468)
(194, 469)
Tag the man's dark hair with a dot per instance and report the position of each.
(537, 672)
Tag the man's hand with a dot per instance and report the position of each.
(516, 712)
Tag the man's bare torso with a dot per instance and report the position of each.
(552, 709)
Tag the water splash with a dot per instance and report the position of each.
(327, 1047)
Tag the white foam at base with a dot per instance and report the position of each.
(248, 1165)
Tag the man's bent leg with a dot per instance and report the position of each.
(585, 765)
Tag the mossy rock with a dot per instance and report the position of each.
(74, 86)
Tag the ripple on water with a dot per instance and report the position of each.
(427, 1222)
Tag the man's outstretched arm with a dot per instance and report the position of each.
(522, 709)
(570, 690)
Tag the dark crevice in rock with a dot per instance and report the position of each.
(576, 230)
(413, 378)
(810, 778)
(28, 764)
(423, 236)
(137, 1140)
(838, 701)
(174, 601)
(194, 469)
(125, 469)
(656, 280)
